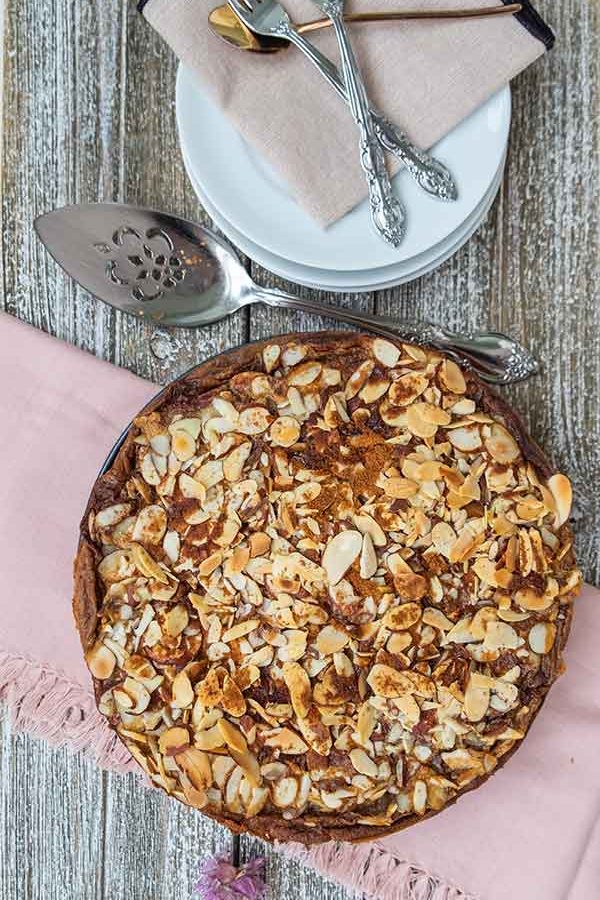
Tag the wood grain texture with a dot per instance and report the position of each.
(88, 114)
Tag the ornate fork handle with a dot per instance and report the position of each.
(428, 172)
(387, 214)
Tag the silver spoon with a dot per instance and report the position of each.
(173, 272)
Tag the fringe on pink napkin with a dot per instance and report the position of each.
(531, 833)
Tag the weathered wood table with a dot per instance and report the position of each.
(88, 114)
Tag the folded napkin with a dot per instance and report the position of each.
(531, 833)
(426, 76)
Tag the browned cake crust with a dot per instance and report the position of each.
(370, 632)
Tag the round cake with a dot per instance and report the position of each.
(324, 587)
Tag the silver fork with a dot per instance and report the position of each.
(269, 18)
(387, 213)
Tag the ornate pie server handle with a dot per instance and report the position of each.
(495, 357)
(387, 213)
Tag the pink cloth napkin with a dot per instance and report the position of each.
(531, 833)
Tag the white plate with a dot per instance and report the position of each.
(252, 199)
(353, 282)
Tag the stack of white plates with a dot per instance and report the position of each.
(254, 210)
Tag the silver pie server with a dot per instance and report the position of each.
(174, 272)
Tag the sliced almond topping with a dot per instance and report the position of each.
(191, 488)
(232, 699)
(210, 739)
(368, 558)
(477, 698)
(196, 765)
(399, 618)
(146, 564)
(173, 741)
(363, 763)
(420, 797)
(284, 431)
(330, 640)
(561, 490)
(407, 388)
(182, 691)
(340, 553)
(467, 440)
(284, 792)
(150, 525)
(298, 684)
(399, 488)
(232, 736)
(183, 444)
(176, 620)
(501, 445)
(101, 661)
(212, 562)
(239, 630)
(286, 741)
(529, 599)
(367, 525)
(305, 373)
(367, 718)
(271, 355)
(542, 637)
(452, 378)
(254, 420)
(233, 464)
(385, 352)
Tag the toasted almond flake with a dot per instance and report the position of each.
(451, 377)
(150, 525)
(399, 488)
(305, 373)
(286, 741)
(367, 525)
(298, 685)
(420, 797)
(212, 562)
(146, 564)
(562, 493)
(239, 630)
(183, 444)
(466, 439)
(232, 700)
(477, 698)
(501, 445)
(284, 792)
(232, 736)
(367, 718)
(368, 558)
(331, 640)
(340, 553)
(284, 431)
(363, 763)
(210, 739)
(529, 599)
(254, 420)
(173, 741)
(182, 691)
(407, 388)
(385, 352)
(176, 620)
(112, 515)
(191, 488)
(542, 636)
(233, 464)
(271, 355)
(399, 618)
(196, 764)
(148, 470)
(172, 545)
(101, 661)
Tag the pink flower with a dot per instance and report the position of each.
(220, 880)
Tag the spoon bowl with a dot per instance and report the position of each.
(173, 272)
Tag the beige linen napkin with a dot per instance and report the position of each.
(426, 76)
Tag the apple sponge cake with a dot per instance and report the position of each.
(325, 585)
